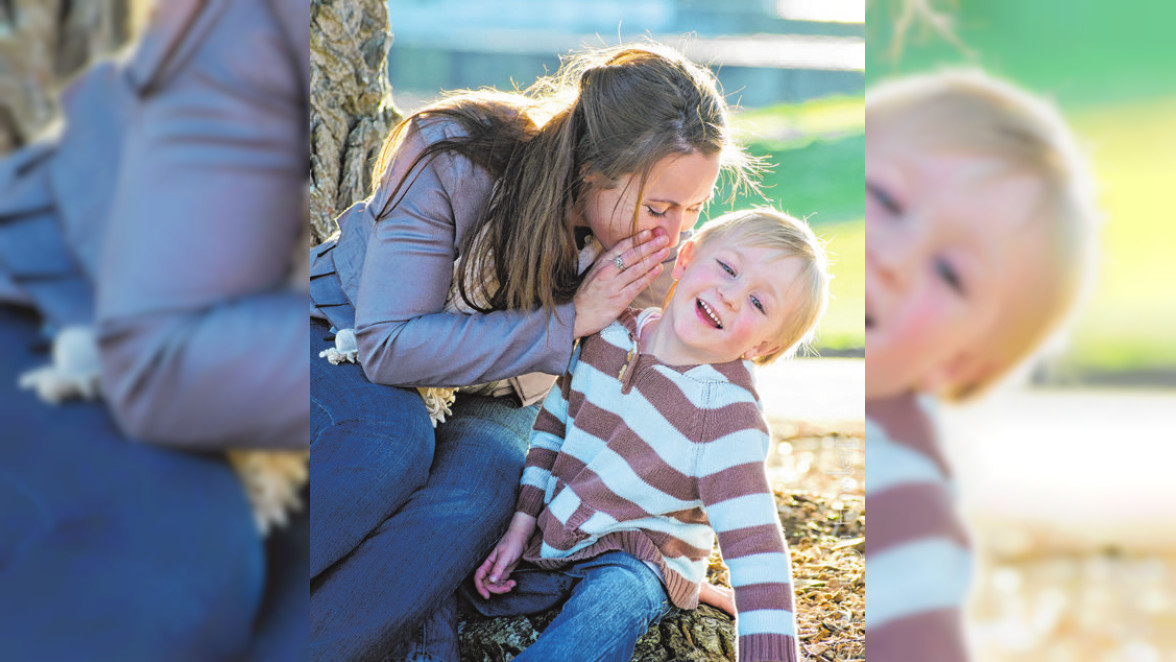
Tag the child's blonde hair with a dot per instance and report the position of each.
(971, 112)
(767, 228)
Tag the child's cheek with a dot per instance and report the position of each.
(930, 324)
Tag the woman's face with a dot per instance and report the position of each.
(677, 188)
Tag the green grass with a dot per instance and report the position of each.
(1111, 73)
(1081, 53)
(815, 170)
(1129, 323)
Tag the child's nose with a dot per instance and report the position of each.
(730, 295)
(892, 255)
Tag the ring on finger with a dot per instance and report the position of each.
(620, 262)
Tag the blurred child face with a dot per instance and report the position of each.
(731, 301)
(677, 188)
(947, 244)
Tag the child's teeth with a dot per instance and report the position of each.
(710, 313)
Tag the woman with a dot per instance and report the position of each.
(469, 265)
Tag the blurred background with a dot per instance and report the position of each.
(1064, 480)
(795, 70)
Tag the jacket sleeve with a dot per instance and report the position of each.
(203, 343)
(405, 336)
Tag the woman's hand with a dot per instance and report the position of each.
(493, 576)
(607, 289)
(717, 596)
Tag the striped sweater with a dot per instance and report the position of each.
(632, 454)
(918, 560)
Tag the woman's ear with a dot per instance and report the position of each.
(592, 177)
(685, 257)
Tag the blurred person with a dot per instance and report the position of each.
(490, 245)
(980, 226)
(616, 438)
(164, 214)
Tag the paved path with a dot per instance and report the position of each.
(818, 391)
(1070, 469)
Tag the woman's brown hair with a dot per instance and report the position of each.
(610, 112)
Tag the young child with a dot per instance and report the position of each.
(654, 437)
(979, 229)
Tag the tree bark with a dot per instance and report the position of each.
(351, 108)
(42, 44)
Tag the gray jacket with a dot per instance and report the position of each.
(167, 212)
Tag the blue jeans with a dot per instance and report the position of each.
(611, 600)
(400, 513)
(282, 631)
(112, 549)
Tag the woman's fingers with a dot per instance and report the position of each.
(607, 288)
(633, 257)
(638, 267)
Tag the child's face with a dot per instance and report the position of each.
(947, 245)
(731, 300)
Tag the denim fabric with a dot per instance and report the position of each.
(435, 640)
(112, 549)
(612, 600)
(282, 632)
(370, 449)
(393, 535)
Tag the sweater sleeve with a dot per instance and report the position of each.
(547, 438)
(405, 337)
(918, 559)
(735, 492)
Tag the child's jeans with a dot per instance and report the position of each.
(611, 600)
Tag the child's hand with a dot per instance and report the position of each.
(493, 576)
(720, 597)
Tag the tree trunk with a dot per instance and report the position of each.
(351, 107)
(45, 42)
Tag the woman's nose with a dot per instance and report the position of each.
(672, 223)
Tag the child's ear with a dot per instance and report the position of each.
(764, 348)
(965, 368)
(685, 256)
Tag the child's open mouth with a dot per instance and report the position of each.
(707, 314)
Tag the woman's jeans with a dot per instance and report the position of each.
(400, 512)
(113, 549)
(612, 600)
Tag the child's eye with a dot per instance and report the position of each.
(949, 275)
(654, 212)
(725, 267)
(756, 302)
(888, 203)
